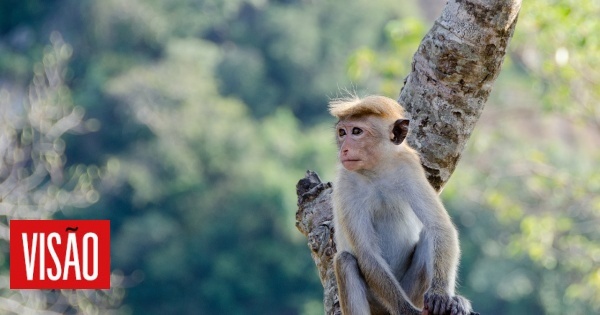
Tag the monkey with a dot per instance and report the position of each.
(397, 248)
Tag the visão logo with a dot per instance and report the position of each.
(59, 254)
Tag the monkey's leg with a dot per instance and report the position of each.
(352, 289)
(417, 278)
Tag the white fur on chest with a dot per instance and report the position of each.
(391, 217)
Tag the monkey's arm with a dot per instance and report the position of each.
(375, 269)
(440, 297)
(442, 234)
(444, 240)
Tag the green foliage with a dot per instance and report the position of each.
(36, 182)
(213, 187)
(557, 43)
(295, 49)
(13, 12)
(542, 196)
(382, 71)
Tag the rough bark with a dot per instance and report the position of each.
(451, 78)
(314, 220)
(452, 75)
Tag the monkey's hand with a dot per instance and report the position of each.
(443, 304)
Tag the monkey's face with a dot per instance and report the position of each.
(359, 144)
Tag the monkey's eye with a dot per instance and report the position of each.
(356, 131)
(341, 132)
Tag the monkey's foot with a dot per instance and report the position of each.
(443, 304)
(460, 305)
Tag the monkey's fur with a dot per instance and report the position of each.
(397, 247)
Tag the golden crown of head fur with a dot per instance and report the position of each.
(381, 106)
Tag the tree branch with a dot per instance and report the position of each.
(452, 75)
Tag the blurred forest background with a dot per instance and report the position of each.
(187, 123)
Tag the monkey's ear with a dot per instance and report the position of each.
(399, 130)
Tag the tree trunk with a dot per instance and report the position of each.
(452, 75)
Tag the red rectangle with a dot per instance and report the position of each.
(59, 254)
